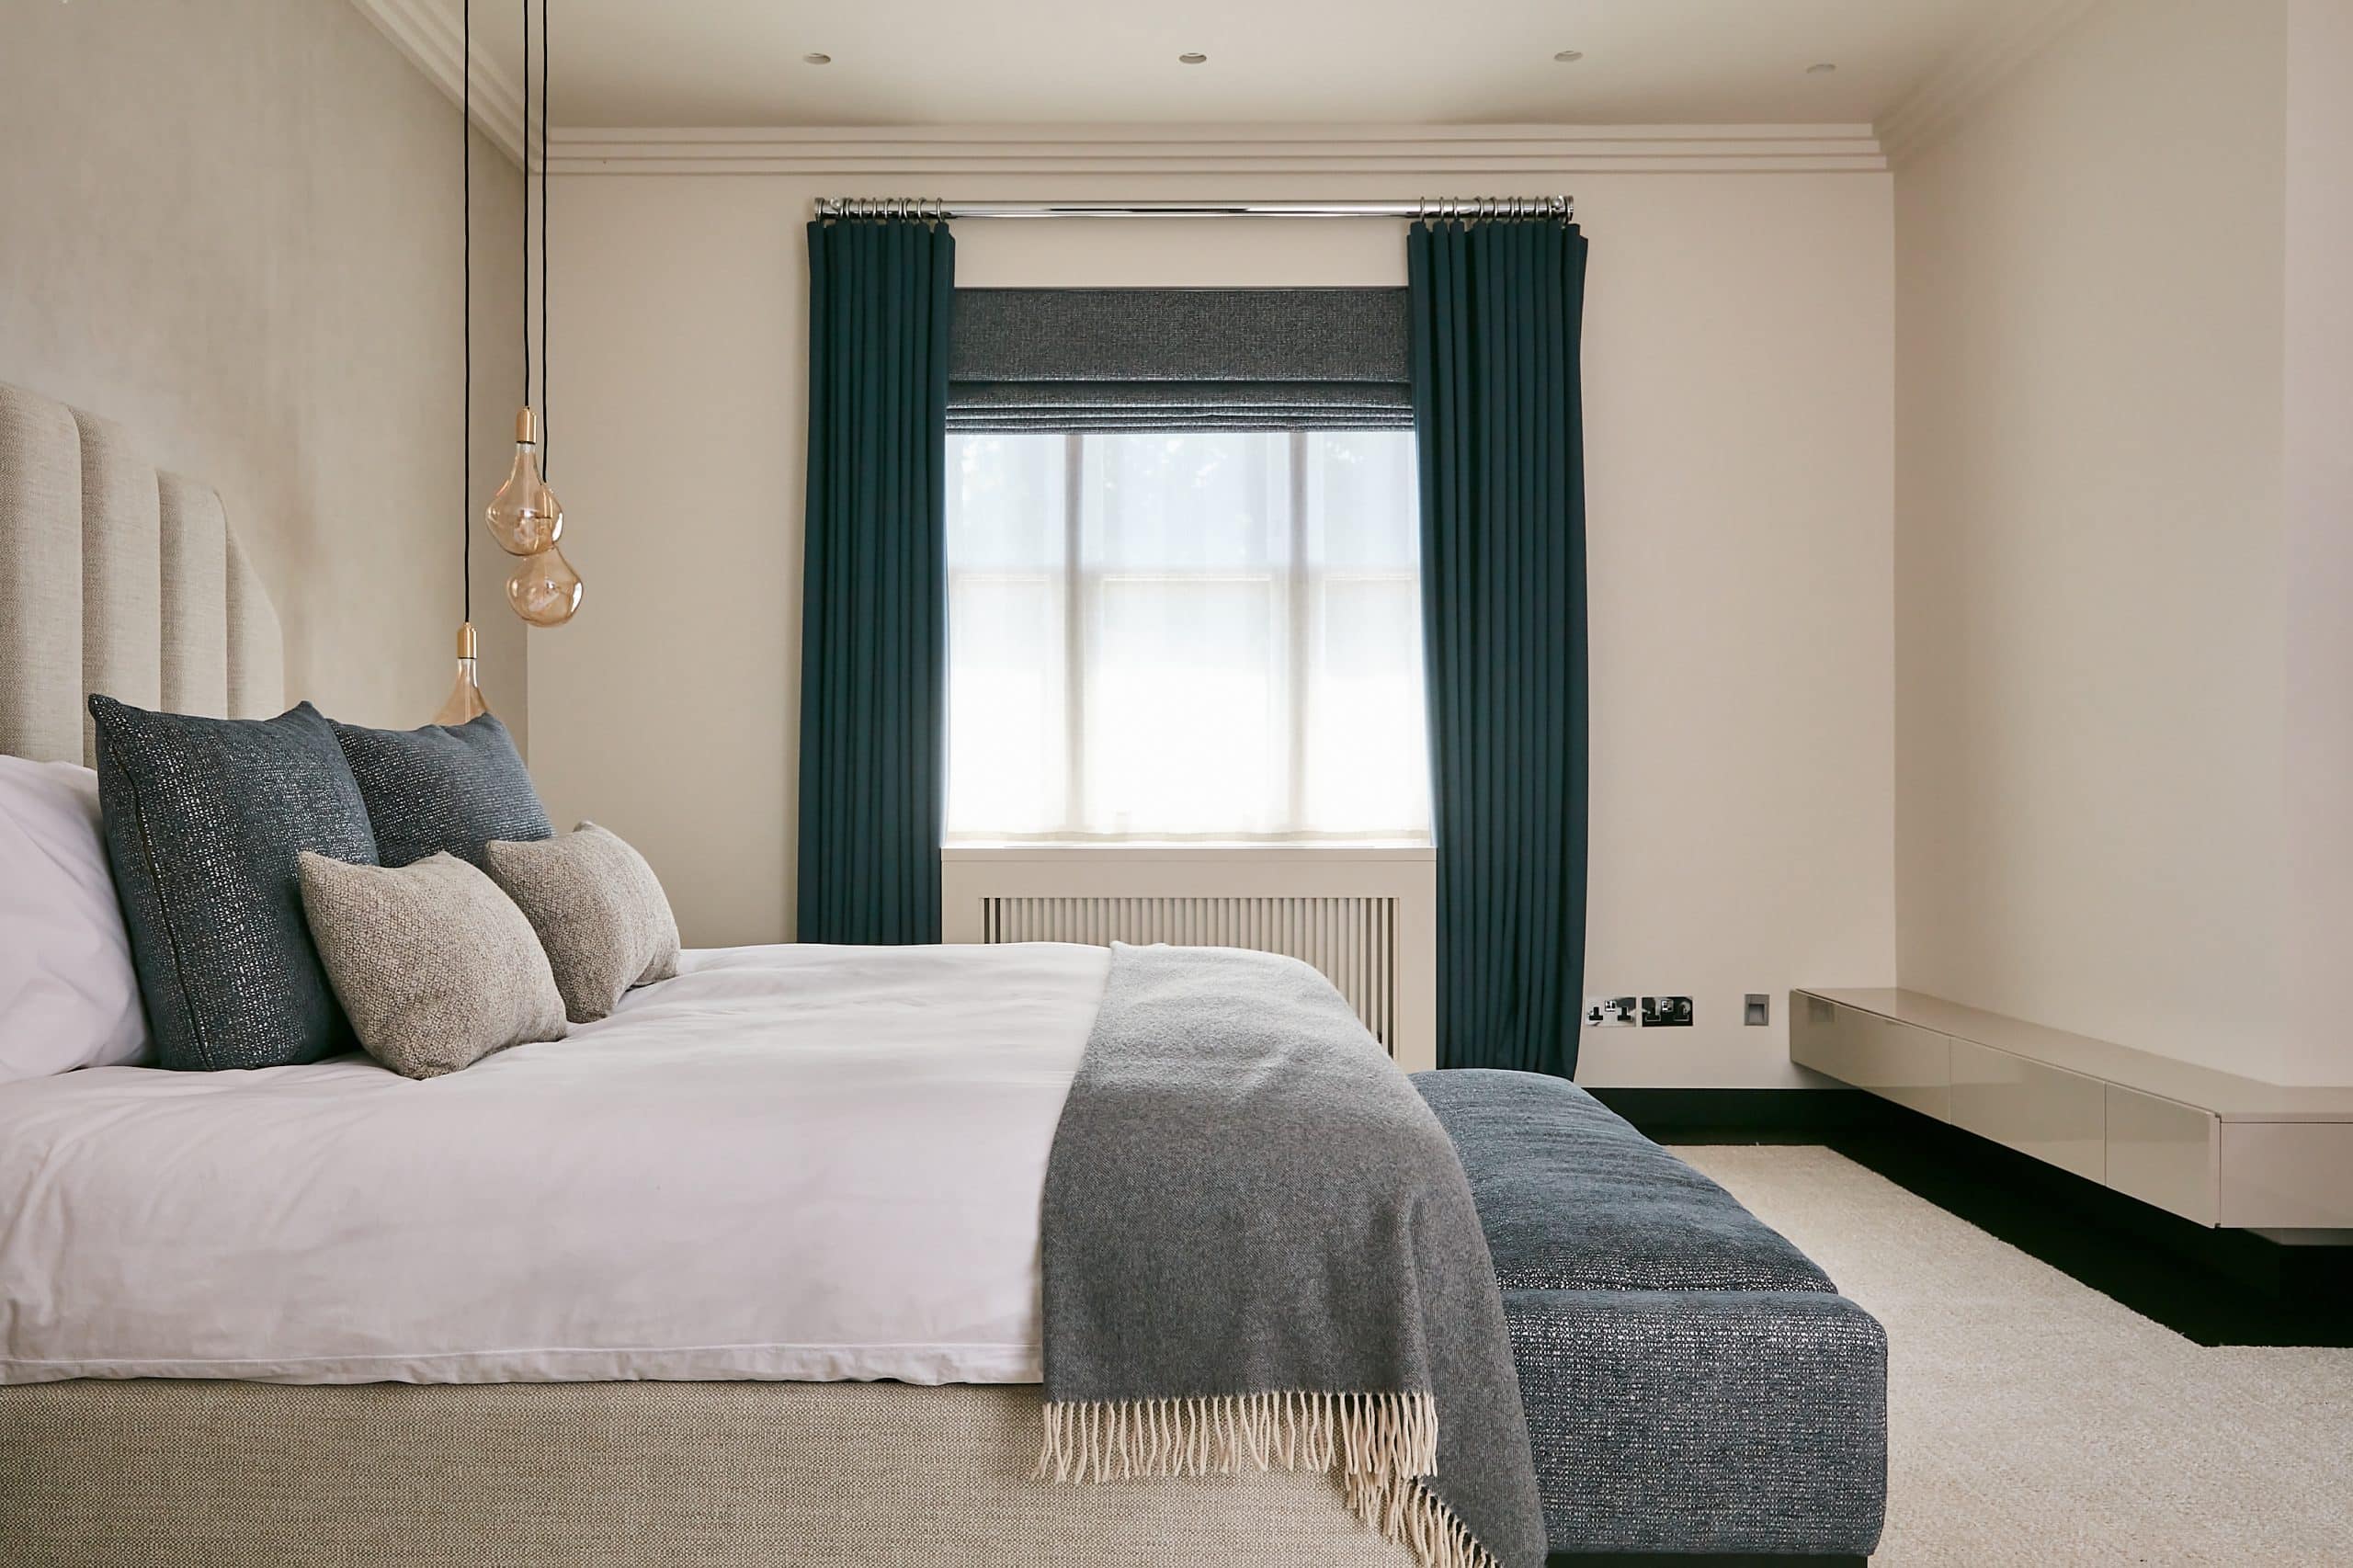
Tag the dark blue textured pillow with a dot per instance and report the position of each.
(204, 821)
(451, 788)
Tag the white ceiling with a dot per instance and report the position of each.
(738, 62)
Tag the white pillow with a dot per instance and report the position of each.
(69, 996)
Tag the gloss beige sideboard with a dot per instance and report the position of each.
(2214, 1147)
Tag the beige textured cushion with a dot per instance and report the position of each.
(598, 909)
(436, 967)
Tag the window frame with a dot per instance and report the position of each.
(1081, 593)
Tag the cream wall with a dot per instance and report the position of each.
(2319, 451)
(2092, 562)
(233, 227)
(1738, 348)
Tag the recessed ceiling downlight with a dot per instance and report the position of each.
(1824, 69)
(1570, 56)
(1192, 57)
(813, 58)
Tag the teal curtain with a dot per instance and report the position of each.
(1498, 420)
(874, 588)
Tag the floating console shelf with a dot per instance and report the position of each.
(2209, 1146)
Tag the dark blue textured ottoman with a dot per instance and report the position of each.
(1694, 1383)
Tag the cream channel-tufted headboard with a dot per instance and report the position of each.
(119, 579)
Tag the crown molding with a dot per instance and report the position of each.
(433, 40)
(1181, 149)
(1973, 69)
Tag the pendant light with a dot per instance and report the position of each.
(525, 517)
(465, 699)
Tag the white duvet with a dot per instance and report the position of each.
(803, 1162)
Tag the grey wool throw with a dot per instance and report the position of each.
(1260, 1249)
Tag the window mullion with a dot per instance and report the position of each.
(1295, 683)
(1074, 596)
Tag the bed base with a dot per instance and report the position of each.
(160, 1474)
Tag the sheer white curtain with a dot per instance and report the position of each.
(1206, 635)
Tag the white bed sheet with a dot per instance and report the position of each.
(794, 1162)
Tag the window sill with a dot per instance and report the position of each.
(1139, 850)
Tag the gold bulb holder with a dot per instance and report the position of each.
(466, 639)
(527, 427)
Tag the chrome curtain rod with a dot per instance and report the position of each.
(1561, 207)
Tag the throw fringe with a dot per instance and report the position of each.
(1378, 1445)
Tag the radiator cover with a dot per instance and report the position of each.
(1352, 939)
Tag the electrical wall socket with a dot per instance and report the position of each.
(1610, 1012)
(1757, 1009)
(1666, 1012)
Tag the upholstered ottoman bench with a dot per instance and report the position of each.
(1696, 1387)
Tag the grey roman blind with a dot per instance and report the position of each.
(1180, 359)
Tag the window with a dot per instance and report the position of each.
(1189, 634)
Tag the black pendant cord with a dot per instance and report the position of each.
(544, 352)
(526, 203)
(466, 304)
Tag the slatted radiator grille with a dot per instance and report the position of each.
(1352, 940)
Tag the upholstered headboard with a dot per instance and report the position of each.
(118, 578)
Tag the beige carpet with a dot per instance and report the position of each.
(2033, 1420)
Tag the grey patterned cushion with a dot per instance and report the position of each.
(443, 790)
(599, 911)
(204, 818)
(435, 966)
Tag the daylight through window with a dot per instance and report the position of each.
(1185, 635)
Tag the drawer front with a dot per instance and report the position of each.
(1906, 1065)
(2287, 1176)
(2162, 1153)
(2056, 1116)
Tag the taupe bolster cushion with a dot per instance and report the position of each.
(599, 911)
(435, 967)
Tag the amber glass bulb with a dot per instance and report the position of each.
(544, 589)
(525, 517)
(465, 699)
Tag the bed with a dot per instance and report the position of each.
(754, 1269)
(673, 1428)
